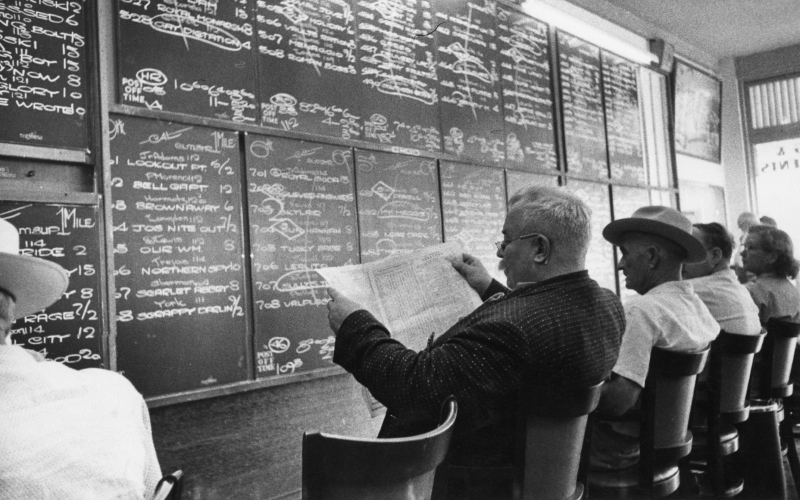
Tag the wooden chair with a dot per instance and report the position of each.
(340, 467)
(553, 425)
(170, 487)
(730, 364)
(664, 435)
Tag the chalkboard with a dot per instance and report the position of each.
(520, 180)
(582, 98)
(43, 87)
(69, 331)
(474, 210)
(623, 122)
(527, 95)
(397, 68)
(302, 207)
(188, 57)
(600, 257)
(469, 82)
(398, 204)
(177, 239)
(626, 201)
(307, 75)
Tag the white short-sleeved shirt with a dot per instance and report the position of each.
(729, 302)
(670, 316)
(72, 435)
(775, 298)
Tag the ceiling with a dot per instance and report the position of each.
(722, 28)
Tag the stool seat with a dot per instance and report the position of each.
(623, 482)
(728, 437)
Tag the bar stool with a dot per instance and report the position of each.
(730, 363)
(760, 434)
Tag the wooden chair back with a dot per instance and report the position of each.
(170, 487)
(346, 468)
(554, 426)
(776, 359)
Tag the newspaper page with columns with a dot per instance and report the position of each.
(417, 296)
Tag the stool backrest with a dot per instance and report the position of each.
(340, 467)
(554, 427)
(730, 363)
(666, 403)
(777, 358)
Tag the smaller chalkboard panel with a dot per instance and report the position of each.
(474, 210)
(398, 204)
(397, 68)
(527, 96)
(301, 197)
(307, 69)
(469, 82)
(179, 258)
(623, 123)
(600, 257)
(188, 57)
(516, 181)
(43, 87)
(584, 127)
(69, 331)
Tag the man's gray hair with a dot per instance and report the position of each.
(558, 214)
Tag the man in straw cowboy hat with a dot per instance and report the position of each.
(655, 242)
(64, 433)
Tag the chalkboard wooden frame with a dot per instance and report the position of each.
(688, 82)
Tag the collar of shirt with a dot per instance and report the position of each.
(683, 286)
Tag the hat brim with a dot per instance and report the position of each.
(35, 283)
(695, 250)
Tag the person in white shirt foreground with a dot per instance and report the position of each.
(655, 242)
(716, 283)
(64, 434)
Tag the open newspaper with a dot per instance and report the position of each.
(416, 296)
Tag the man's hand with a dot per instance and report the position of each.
(339, 308)
(473, 271)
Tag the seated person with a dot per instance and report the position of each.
(67, 434)
(554, 326)
(716, 284)
(769, 254)
(655, 242)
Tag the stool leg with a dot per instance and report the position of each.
(788, 435)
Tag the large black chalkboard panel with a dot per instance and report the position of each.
(398, 204)
(623, 119)
(469, 82)
(43, 87)
(301, 197)
(474, 210)
(179, 258)
(307, 75)
(397, 67)
(516, 181)
(69, 331)
(600, 257)
(188, 57)
(582, 98)
(527, 95)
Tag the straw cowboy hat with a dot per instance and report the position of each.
(35, 283)
(661, 221)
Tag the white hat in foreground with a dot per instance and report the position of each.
(35, 283)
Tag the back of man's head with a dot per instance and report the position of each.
(768, 221)
(558, 214)
(746, 220)
(714, 235)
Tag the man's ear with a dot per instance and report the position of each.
(716, 256)
(653, 257)
(542, 252)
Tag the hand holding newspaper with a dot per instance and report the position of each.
(416, 295)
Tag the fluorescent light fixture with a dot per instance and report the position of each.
(587, 31)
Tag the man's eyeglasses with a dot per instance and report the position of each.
(501, 245)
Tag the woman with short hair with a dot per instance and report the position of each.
(769, 254)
